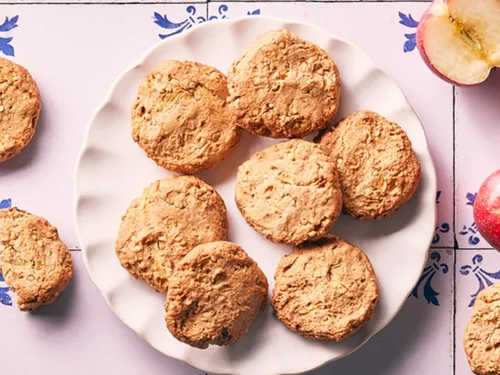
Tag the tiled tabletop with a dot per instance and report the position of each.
(75, 51)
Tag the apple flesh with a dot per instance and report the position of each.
(487, 210)
(460, 39)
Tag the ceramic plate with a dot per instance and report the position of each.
(112, 170)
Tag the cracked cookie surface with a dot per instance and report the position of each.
(19, 108)
(378, 169)
(283, 86)
(180, 117)
(326, 289)
(215, 294)
(482, 334)
(171, 217)
(289, 192)
(35, 263)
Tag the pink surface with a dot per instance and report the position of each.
(79, 335)
(75, 52)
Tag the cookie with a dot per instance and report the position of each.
(216, 292)
(289, 192)
(378, 169)
(482, 334)
(283, 86)
(36, 264)
(325, 290)
(171, 217)
(180, 117)
(19, 108)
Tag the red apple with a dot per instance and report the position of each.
(487, 210)
(460, 39)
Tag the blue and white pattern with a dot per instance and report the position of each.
(191, 19)
(178, 27)
(6, 46)
(411, 38)
(253, 12)
(424, 285)
(5, 203)
(222, 10)
(470, 230)
(441, 228)
(484, 278)
(5, 298)
(221, 13)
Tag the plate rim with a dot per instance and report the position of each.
(107, 99)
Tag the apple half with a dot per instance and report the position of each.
(460, 39)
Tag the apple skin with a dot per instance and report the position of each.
(436, 9)
(487, 210)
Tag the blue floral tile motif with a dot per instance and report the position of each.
(221, 13)
(441, 228)
(438, 195)
(471, 198)
(411, 38)
(470, 230)
(253, 12)
(5, 203)
(177, 28)
(430, 295)
(191, 19)
(5, 298)
(484, 278)
(8, 24)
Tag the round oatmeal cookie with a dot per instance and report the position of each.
(36, 264)
(180, 117)
(289, 192)
(283, 86)
(482, 334)
(325, 290)
(378, 169)
(216, 292)
(171, 217)
(19, 108)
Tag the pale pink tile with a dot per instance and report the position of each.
(78, 335)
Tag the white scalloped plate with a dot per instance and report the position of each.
(112, 170)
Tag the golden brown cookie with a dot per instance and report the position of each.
(283, 86)
(482, 335)
(325, 290)
(289, 192)
(19, 108)
(215, 294)
(37, 265)
(172, 216)
(180, 117)
(378, 169)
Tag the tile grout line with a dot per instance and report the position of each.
(455, 242)
(454, 320)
